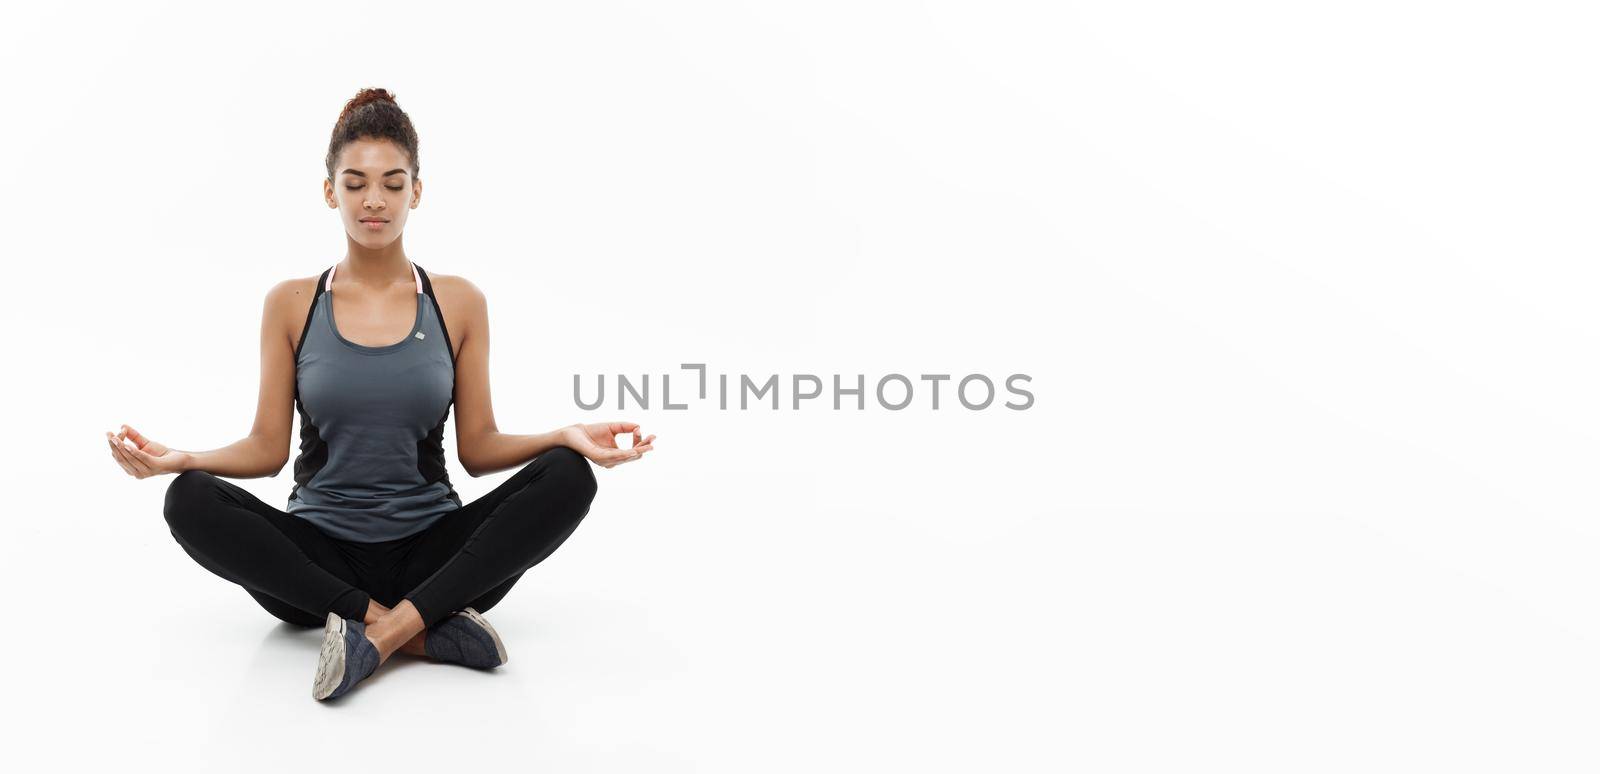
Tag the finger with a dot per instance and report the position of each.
(138, 464)
(150, 461)
(118, 458)
(122, 459)
(634, 454)
(136, 436)
(635, 437)
(618, 428)
(128, 454)
(115, 441)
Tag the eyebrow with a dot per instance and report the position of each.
(359, 173)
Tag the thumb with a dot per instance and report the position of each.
(134, 435)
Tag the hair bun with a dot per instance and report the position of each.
(372, 114)
(366, 97)
(370, 95)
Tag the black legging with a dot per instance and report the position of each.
(469, 557)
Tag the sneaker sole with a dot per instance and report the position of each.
(499, 647)
(330, 663)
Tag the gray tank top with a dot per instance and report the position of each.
(371, 465)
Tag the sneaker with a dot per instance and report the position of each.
(348, 657)
(465, 637)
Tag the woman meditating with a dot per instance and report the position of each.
(374, 544)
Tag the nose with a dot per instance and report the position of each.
(375, 204)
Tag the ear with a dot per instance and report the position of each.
(327, 194)
(416, 192)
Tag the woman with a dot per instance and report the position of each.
(375, 544)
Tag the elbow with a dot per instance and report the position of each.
(466, 454)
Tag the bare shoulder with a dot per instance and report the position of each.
(289, 302)
(461, 301)
(297, 289)
(454, 287)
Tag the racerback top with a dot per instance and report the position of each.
(371, 466)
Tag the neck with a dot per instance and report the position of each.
(376, 267)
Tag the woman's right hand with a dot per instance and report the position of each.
(146, 457)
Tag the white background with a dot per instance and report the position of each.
(1306, 292)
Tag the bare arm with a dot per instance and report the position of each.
(480, 445)
(266, 449)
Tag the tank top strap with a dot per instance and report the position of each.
(322, 283)
(425, 286)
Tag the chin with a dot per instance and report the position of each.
(372, 241)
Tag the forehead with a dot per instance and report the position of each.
(372, 156)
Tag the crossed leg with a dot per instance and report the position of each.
(276, 557)
(471, 557)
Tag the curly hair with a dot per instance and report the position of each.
(373, 113)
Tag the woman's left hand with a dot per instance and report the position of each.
(598, 442)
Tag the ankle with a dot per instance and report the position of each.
(417, 645)
(374, 612)
(392, 631)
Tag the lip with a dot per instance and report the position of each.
(374, 225)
